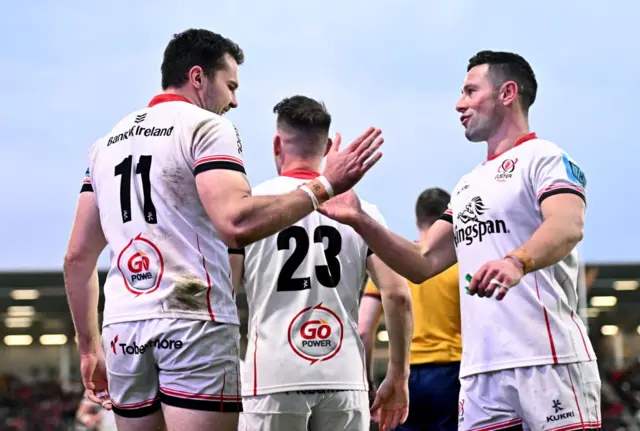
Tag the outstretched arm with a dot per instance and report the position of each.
(416, 262)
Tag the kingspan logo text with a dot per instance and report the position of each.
(472, 227)
(468, 234)
(140, 131)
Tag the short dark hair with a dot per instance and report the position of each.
(196, 47)
(305, 113)
(507, 66)
(431, 204)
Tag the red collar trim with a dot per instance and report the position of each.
(303, 174)
(520, 141)
(166, 97)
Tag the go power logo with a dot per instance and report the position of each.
(141, 265)
(140, 349)
(315, 334)
(473, 229)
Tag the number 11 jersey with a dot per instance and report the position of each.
(303, 290)
(167, 260)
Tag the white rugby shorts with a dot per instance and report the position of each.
(307, 410)
(561, 397)
(192, 364)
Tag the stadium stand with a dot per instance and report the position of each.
(40, 387)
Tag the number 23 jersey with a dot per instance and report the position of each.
(167, 260)
(303, 289)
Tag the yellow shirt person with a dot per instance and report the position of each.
(436, 346)
(436, 311)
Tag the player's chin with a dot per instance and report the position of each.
(473, 136)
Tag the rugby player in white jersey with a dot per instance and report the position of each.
(166, 190)
(513, 226)
(305, 365)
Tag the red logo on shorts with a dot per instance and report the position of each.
(113, 344)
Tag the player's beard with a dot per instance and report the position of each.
(483, 126)
(213, 101)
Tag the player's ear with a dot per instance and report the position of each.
(195, 76)
(329, 144)
(508, 92)
(277, 145)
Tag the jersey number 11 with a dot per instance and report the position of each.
(143, 168)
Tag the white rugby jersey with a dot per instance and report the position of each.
(303, 289)
(167, 259)
(494, 210)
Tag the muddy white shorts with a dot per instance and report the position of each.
(192, 364)
(307, 410)
(562, 397)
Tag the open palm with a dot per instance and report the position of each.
(343, 169)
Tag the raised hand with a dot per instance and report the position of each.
(345, 168)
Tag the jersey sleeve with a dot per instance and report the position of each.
(447, 215)
(87, 186)
(87, 182)
(555, 172)
(216, 144)
(371, 290)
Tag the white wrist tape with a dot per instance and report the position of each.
(314, 200)
(325, 182)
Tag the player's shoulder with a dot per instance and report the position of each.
(372, 210)
(542, 148)
(195, 115)
(192, 116)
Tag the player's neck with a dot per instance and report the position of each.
(507, 135)
(301, 165)
(190, 96)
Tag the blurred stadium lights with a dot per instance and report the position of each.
(626, 284)
(17, 322)
(609, 330)
(603, 301)
(53, 339)
(18, 340)
(383, 336)
(21, 311)
(25, 294)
